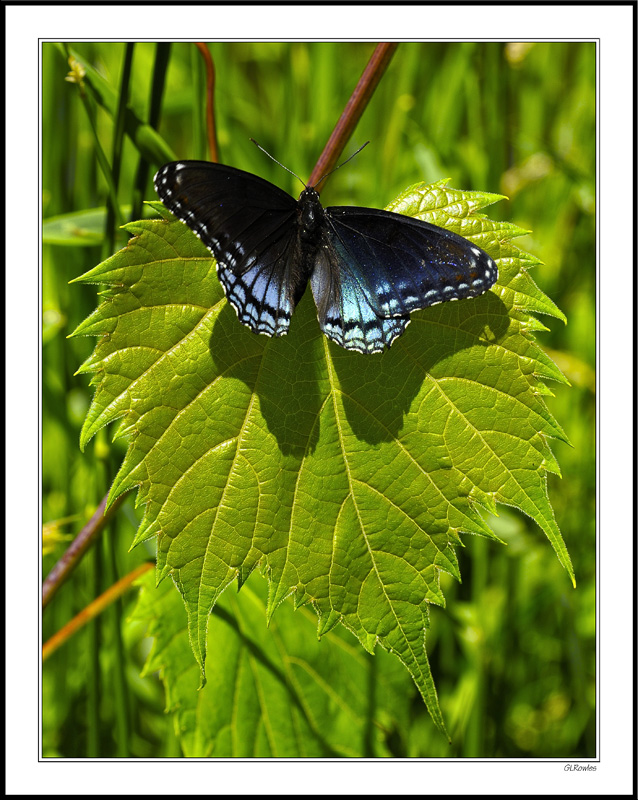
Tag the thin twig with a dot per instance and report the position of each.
(78, 547)
(93, 609)
(210, 101)
(355, 107)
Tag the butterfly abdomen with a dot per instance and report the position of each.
(310, 238)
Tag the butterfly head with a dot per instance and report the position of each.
(309, 195)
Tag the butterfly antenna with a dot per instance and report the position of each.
(278, 162)
(356, 152)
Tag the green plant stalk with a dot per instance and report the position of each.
(93, 651)
(160, 66)
(113, 618)
(102, 160)
(118, 141)
(474, 745)
(371, 707)
(199, 125)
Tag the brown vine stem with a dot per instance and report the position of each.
(78, 547)
(355, 107)
(210, 101)
(93, 609)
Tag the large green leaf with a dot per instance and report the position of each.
(270, 692)
(347, 478)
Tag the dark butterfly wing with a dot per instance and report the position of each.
(250, 227)
(346, 304)
(387, 265)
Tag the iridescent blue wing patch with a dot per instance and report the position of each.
(403, 264)
(346, 303)
(250, 227)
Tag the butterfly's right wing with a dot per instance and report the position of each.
(376, 267)
(345, 304)
(250, 226)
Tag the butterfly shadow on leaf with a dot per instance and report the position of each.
(440, 342)
(284, 373)
(293, 376)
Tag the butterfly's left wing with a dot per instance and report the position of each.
(391, 265)
(250, 227)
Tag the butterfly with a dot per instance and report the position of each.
(368, 269)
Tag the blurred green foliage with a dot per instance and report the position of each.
(513, 654)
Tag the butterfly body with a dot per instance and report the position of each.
(368, 269)
(309, 231)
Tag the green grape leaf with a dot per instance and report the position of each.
(272, 692)
(346, 478)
